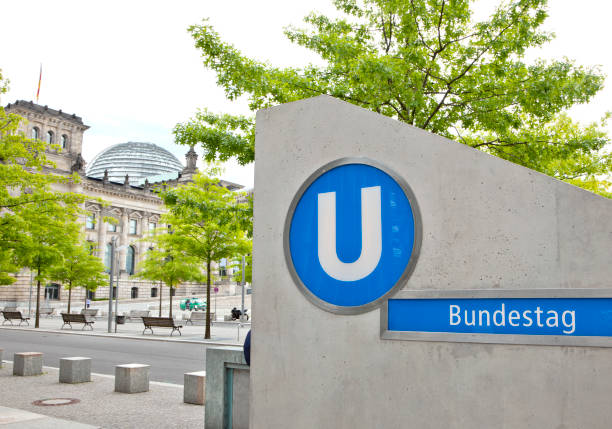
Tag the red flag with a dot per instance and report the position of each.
(39, 79)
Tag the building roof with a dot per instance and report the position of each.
(29, 105)
(138, 160)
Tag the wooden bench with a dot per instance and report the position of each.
(199, 316)
(46, 311)
(9, 316)
(162, 322)
(77, 318)
(91, 312)
(9, 308)
(138, 314)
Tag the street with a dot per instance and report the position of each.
(168, 360)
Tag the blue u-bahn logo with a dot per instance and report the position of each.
(352, 235)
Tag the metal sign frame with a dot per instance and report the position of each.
(416, 248)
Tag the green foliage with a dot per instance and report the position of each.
(428, 64)
(79, 268)
(38, 225)
(206, 222)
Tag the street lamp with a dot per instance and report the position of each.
(113, 251)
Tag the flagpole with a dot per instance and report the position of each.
(39, 80)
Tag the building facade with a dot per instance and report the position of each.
(122, 175)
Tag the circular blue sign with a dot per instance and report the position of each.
(352, 235)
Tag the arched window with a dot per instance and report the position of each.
(129, 261)
(64, 141)
(35, 133)
(50, 137)
(107, 257)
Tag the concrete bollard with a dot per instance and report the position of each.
(75, 370)
(27, 363)
(194, 388)
(132, 378)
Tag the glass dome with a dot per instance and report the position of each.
(138, 160)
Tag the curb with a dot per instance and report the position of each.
(128, 337)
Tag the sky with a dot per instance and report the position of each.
(131, 71)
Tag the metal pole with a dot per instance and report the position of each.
(243, 276)
(30, 299)
(110, 287)
(116, 297)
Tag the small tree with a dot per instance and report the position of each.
(208, 223)
(79, 269)
(248, 269)
(170, 266)
(51, 232)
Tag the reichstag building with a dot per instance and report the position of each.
(123, 175)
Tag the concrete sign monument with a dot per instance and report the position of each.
(405, 280)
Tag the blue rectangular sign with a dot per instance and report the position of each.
(512, 316)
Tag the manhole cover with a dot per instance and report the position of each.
(53, 402)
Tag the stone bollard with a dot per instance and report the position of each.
(132, 378)
(194, 388)
(75, 370)
(27, 363)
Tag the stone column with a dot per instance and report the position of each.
(124, 238)
(101, 235)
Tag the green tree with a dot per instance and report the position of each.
(24, 190)
(169, 265)
(429, 64)
(209, 223)
(248, 269)
(79, 268)
(49, 233)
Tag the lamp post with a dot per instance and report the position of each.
(243, 283)
(113, 251)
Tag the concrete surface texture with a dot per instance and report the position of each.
(221, 362)
(27, 363)
(487, 224)
(99, 406)
(75, 370)
(194, 386)
(132, 378)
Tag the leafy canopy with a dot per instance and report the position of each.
(429, 64)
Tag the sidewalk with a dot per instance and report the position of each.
(222, 333)
(96, 405)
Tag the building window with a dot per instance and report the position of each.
(64, 141)
(52, 291)
(133, 226)
(223, 268)
(90, 223)
(172, 291)
(134, 293)
(50, 137)
(114, 291)
(35, 133)
(152, 226)
(153, 292)
(91, 294)
(129, 261)
(107, 257)
(111, 227)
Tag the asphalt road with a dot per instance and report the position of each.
(168, 360)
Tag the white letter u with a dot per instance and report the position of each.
(371, 236)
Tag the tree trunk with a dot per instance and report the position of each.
(207, 333)
(37, 324)
(160, 298)
(69, 295)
